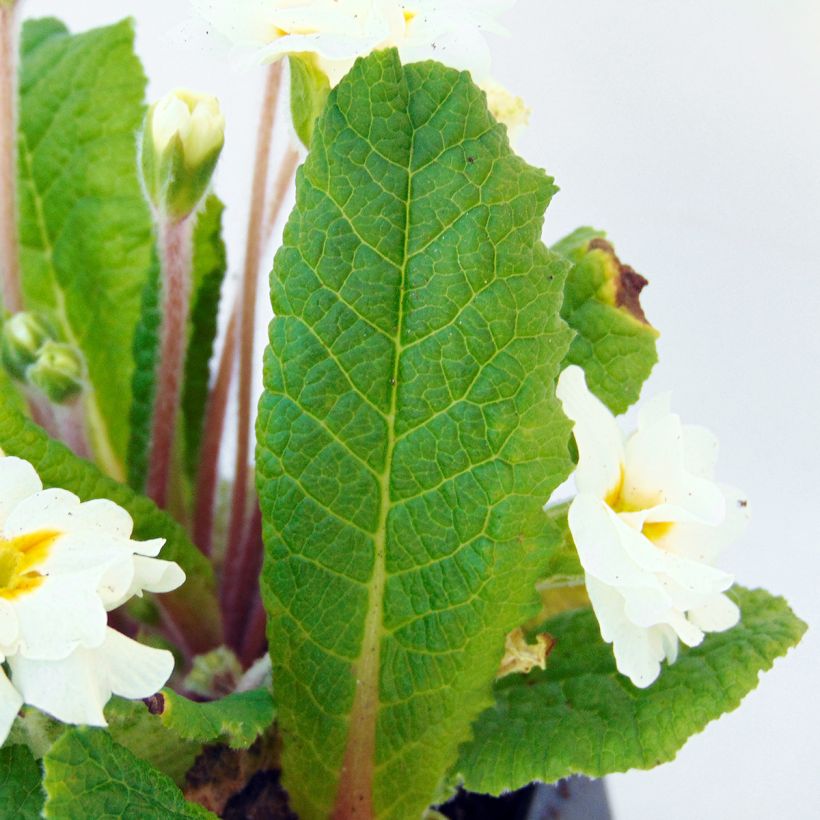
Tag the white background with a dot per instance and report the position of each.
(690, 130)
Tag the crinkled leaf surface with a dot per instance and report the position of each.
(21, 795)
(408, 436)
(193, 606)
(236, 720)
(88, 775)
(208, 271)
(85, 230)
(580, 716)
(614, 344)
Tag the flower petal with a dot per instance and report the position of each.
(599, 439)
(76, 689)
(10, 703)
(149, 575)
(9, 629)
(18, 480)
(718, 615)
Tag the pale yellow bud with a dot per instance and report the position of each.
(508, 109)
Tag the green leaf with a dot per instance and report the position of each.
(408, 436)
(21, 796)
(236, 720)
(85, 229)
(581, 717)
(309, 89)
(146, 350)
(208, 271)
(614, 344)
(193, 606)
(209, 266)
(88, 775)
(132, 726)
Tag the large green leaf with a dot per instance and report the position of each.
(88, 775)
(193, 606)
(615, 344)
(581, 717)
(408, 436)
(21, 796)
(85, 230)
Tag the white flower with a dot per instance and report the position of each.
(649, 522)
(339, 31)
(63, 566)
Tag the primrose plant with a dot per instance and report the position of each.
(392, 610)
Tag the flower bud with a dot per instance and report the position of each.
(23, 336)
(58, 372)
(181, 143)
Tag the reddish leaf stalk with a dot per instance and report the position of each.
(246, 311)
(255, 637)
(240, 579)
(9, 249)
(176, 254)
(208, 472)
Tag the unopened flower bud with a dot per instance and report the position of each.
(23, 337)
(181, 143)
(58, 372)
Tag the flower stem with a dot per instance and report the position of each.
(281, 186)
(208, 470)
(241, 581)
(254, 639)
(176, 254)
(9, 251)
(246, 308)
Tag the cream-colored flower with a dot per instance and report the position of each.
(649, 522)
(508, 109)
(63, 566)
(336, 32)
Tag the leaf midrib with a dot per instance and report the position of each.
(355, 793)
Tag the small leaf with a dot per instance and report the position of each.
(193, 606)
(88, 775)
(614, 344)
(21, 795)
(581, 717)
(309, 88)
(409, 434)
(236, 720)
(85, 229)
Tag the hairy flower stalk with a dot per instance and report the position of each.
(9, 249)
(176, 256)
(183, 138)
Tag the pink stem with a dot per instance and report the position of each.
(208, 472)
(240, 579)
(9, 249)
(247, 311)
(176, 254)
(255, 638)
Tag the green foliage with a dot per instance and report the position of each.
(309, 89)
(614, 344)
(20, 794)
(193, 606)
(580, 716)
(209, 267)
(409, 433)
(208, 271)
(88, 775)
(85, 230)
(236, 720)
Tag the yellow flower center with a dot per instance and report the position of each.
(409, 16)
(653, 530)
(18, 559)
